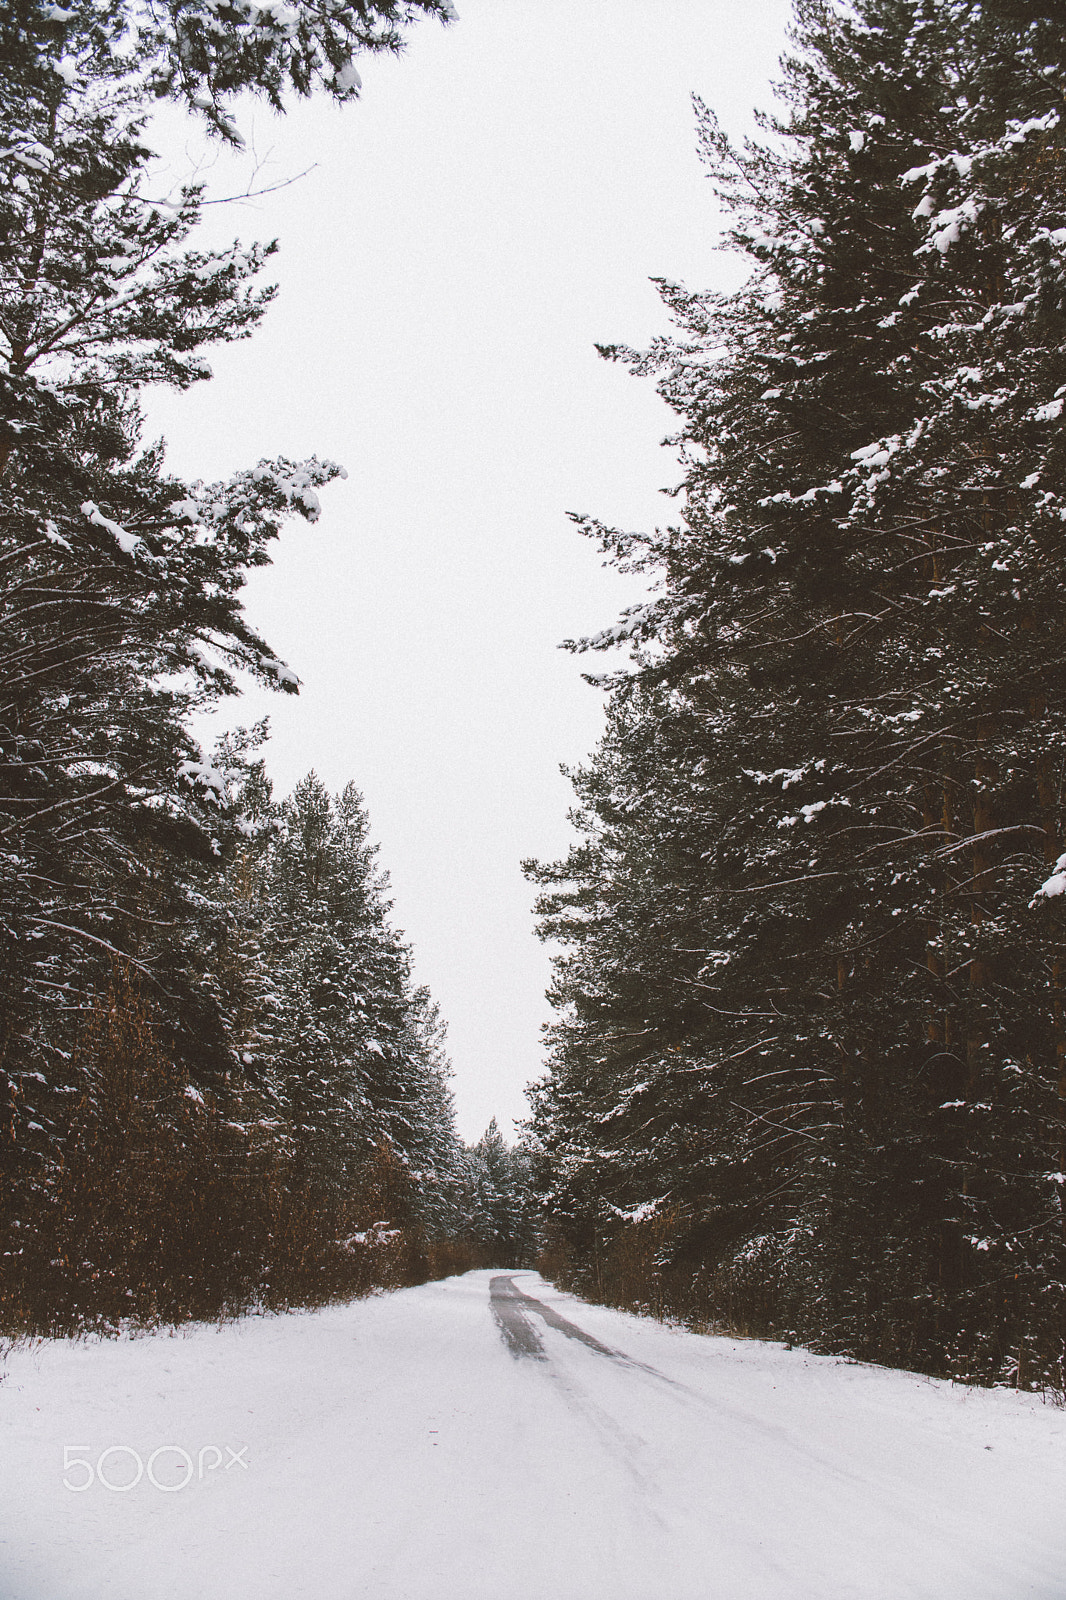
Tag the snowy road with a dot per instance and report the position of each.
(488, 1438)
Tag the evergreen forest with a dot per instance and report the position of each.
(220, 1086)
(806, 1078)
(808, 1073)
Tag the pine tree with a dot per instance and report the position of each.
(121, 605)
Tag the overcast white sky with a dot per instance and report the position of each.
(495, 203)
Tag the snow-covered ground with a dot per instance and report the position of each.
(398, 1448)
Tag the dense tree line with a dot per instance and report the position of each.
(219, 1085)
(501, 1209)
(322, 1161)
(809, 1071)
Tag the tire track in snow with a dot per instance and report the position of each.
(509, 1306)
(655, 1505)
(512, 1309)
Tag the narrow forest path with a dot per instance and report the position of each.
(488, 1438)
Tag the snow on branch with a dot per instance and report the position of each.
(127, 542)
(1052, 887)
